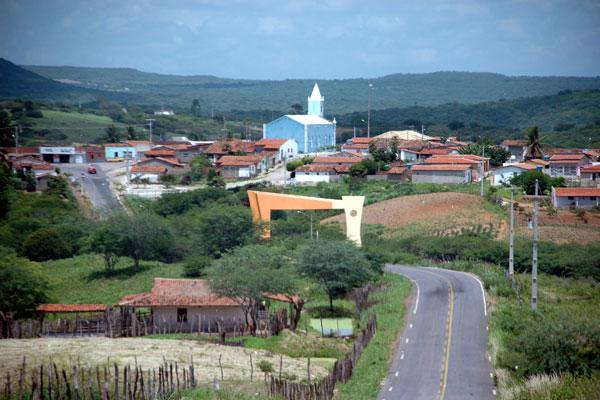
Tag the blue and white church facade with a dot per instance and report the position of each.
(311, 131)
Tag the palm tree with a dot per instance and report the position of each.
(534, 147)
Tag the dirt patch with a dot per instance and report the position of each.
(433, 213)
(561, 227)
(149, 353)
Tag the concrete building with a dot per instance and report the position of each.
(228, 147)
(397, 174)
(516, 148)
(33, 164)
(151, 173)
(284, 149)
(187, 305)
(312, 132)
(314, 173)
(118, 151)
(576, 197)
(503, 175)
(568, 165)
(441, 173)
(590, 176)
(62, 154)
(242, 166)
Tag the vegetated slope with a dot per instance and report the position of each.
(342, 95)
(576, 108)
(17, 82)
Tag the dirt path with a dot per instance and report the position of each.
(149, 354)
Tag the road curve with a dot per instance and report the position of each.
(447, 315)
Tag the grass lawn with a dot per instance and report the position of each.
(373, 364)
(82, 279)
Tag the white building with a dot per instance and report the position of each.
(168, 113)
(576, 197)
(315, 173)
(503, 175)
(286, 149)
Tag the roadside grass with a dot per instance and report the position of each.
(373, 364)
(82, 279)
(242, 390)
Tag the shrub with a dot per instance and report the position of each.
(195, 267)
(46, 244)
(265, 366)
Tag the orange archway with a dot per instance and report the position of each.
(262, 203)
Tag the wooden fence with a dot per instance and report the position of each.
(49, 382)
(341, 372)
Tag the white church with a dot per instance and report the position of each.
(311, 131)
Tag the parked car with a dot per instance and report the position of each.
(91, 169)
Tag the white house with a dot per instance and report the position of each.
(168, 113)
(315, 173)
(503, 175)
(576, 197)
(286, 149)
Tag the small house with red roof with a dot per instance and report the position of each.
(243, 166)
(516, 148)
(581, 197)
(283, 149)
(503, 175)
(568, 165)
(441, 173)
(187, 305)
(590, 176)
(316, 173)
(228, 147)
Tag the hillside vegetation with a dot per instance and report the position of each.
(342, 95)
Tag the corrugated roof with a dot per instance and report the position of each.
(68, 308)
(441, 167)
(574, 192)
(309, 119)
(179, 292)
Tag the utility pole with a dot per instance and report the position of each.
(311, 226)
(482, 168)
(369, 111)
(17, 139)
(511, 240)
(534, 258)
(150, 120)
(354, 127)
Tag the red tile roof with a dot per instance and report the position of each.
(341, 169)
(363, 140)
(151, 169)
(450, 160)
(590, 168)
(68, 308)
(514, 143)
(138, 142)
(240, 161)
(179, 292)
(356, 146)
(272, 144)
(396, 170)
(440, 151)
(337, 160)
(160, 153)
(567, 157)
(316, 168)
(576, 192)
(538, 161)
(235, 146)
(441, 167)
(170, 161)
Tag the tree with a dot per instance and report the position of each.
(22, 286)
(106, 240)
(359, 170)
(455, 125)
(496, 154)
(197, 166)
(338, 265)
(222, 228)
(196, 266)
(195, 109)
(297, 108)
(213, 179)
(112, 135)
(527, 179)
(46, 244)
(131, 135)
(5, 189)
(534, 146)
(6, 133)
(250, 272)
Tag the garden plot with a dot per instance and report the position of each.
(148, 353)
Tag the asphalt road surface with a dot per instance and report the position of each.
(95, 186)
(442, 354)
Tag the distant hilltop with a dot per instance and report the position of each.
(224, 94)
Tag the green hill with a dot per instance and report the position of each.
(342, 95)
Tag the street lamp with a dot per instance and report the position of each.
(369, 111)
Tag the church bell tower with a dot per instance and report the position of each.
(315, 102)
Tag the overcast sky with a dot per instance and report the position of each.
(305, 38)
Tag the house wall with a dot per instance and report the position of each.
(205, 315)
(316, 136)
(153, 178)
(313, 177)
(186, 156)
(111, 153)
(288, 150)
(590, 179)
(578, 201)
(441, 176)
(407, 156)
(504, 175)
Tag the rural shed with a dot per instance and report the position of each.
(186, 304)
(581, 197)
(441, 173)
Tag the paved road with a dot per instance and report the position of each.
(447, 316)
(95, 186)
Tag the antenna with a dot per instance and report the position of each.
(150, 120)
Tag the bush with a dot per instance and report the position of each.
(46, 244)
(195, 267)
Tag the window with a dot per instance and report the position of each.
(592, 197)
(571, 198)
(182, 315)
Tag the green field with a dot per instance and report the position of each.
(67, 127)
(81, 279)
